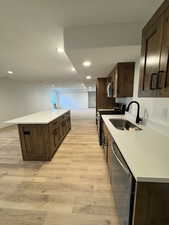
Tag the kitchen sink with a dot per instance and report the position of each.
(124, 125)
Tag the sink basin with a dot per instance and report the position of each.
(124, 125)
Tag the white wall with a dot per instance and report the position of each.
(154, 111)
(83, 114)
(19, 99)
(73, 100)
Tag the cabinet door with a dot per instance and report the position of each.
(163, 79)
(63, 127)
(56, 137)
(34, 142)
(150, 59)
(67, 124)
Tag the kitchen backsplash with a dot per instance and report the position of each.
(154, 111)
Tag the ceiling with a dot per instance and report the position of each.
(103, 60)
(32, 30)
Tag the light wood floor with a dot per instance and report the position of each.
(72, 189)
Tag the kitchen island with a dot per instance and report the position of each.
(41, 133)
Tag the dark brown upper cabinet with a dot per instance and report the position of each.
(102, 101)
(122, 78)
(154, 74)
(163, 79)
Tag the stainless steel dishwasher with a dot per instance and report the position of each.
(123, 185)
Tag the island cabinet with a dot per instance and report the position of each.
(39, 142)
(154, 66)
(136, 202)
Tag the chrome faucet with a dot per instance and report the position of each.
(138, 119)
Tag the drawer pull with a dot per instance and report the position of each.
(27, 132)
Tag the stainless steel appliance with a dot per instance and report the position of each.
(109, 90)
(123, 185)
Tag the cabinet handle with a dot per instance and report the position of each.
(153, 76)
(159, 86)
(27, 132)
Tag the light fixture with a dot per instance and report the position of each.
(88, 77)
(87, 63)
(60, 50)
(10, 72)
(73, 69)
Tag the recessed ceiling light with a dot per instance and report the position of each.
(73, 69)
(87, 63)
(88, 77)
(10, 72)
(60, 50)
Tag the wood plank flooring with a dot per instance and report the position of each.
(72, 189)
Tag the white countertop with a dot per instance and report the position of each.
(43, 117)
(146, 152)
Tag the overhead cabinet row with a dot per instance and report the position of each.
(119, 83)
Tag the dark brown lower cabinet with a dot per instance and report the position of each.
(39, 142)
(151, 204)
(136, 203)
